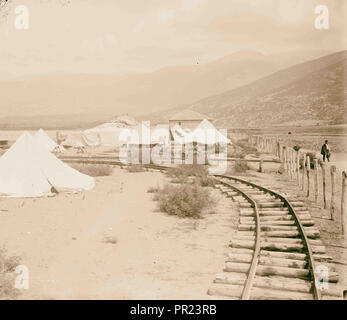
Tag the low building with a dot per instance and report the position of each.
(188, 119)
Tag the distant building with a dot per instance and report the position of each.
(188, 119)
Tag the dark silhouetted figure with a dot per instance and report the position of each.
(325, 151)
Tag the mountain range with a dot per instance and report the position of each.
(310, 91)
(221, 88)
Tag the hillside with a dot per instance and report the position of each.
(78, 100)
(312, 90)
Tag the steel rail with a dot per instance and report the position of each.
(311, 264)
(246, 293)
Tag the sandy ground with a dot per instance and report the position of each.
(63, 242)
(339, 160)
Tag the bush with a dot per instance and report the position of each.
(242, 148)
(241, 166)
(296, 148)
(94, 170)
(188, 200)
(188, 170)
(135, 168)
(206, 181)
(184, 173)
(153, 189)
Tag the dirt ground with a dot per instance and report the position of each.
(112, 243)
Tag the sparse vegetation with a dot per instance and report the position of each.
(135, 168)
(191, 173)
(7, 276)
(188, 200)
(241, 166)
(241, 148)
(94, 170)
(206, 181)
(188, 170)
(153, 189)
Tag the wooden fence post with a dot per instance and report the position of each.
(308, 169)
(293, 163)
(289, 167)
(298, 167)
(285, 165)
(303, 171)
(261, 165)
(324, 184)
(275, 146)
(316, 180)
(263, 144)
(343, 204)
(333, 192)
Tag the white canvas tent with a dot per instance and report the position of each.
(30, 170)
(73, 140)
(108, 134)
(44, 140)
(102, 136)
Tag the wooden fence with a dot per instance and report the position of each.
(323, 183)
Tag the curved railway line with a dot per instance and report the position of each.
(276, 252)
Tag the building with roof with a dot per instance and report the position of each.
(188, 119)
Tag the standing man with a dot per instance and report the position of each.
(325, 151)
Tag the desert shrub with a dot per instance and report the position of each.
(94, 170)
(135, 168)
(191, 174)
(206, 181)
(180, 179)
(245, 145)
(188, 170)
(7, 276)
(296, 148)
(188, 200)
(241, 166)
(153, 189)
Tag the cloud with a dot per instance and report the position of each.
(120, 36)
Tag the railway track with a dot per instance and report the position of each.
(276, 252)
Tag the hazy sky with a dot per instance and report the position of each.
(127, 36)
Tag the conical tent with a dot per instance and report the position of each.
(44, 140)
(20, 174)
(30, 170)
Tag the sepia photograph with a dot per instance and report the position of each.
(173, 150)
